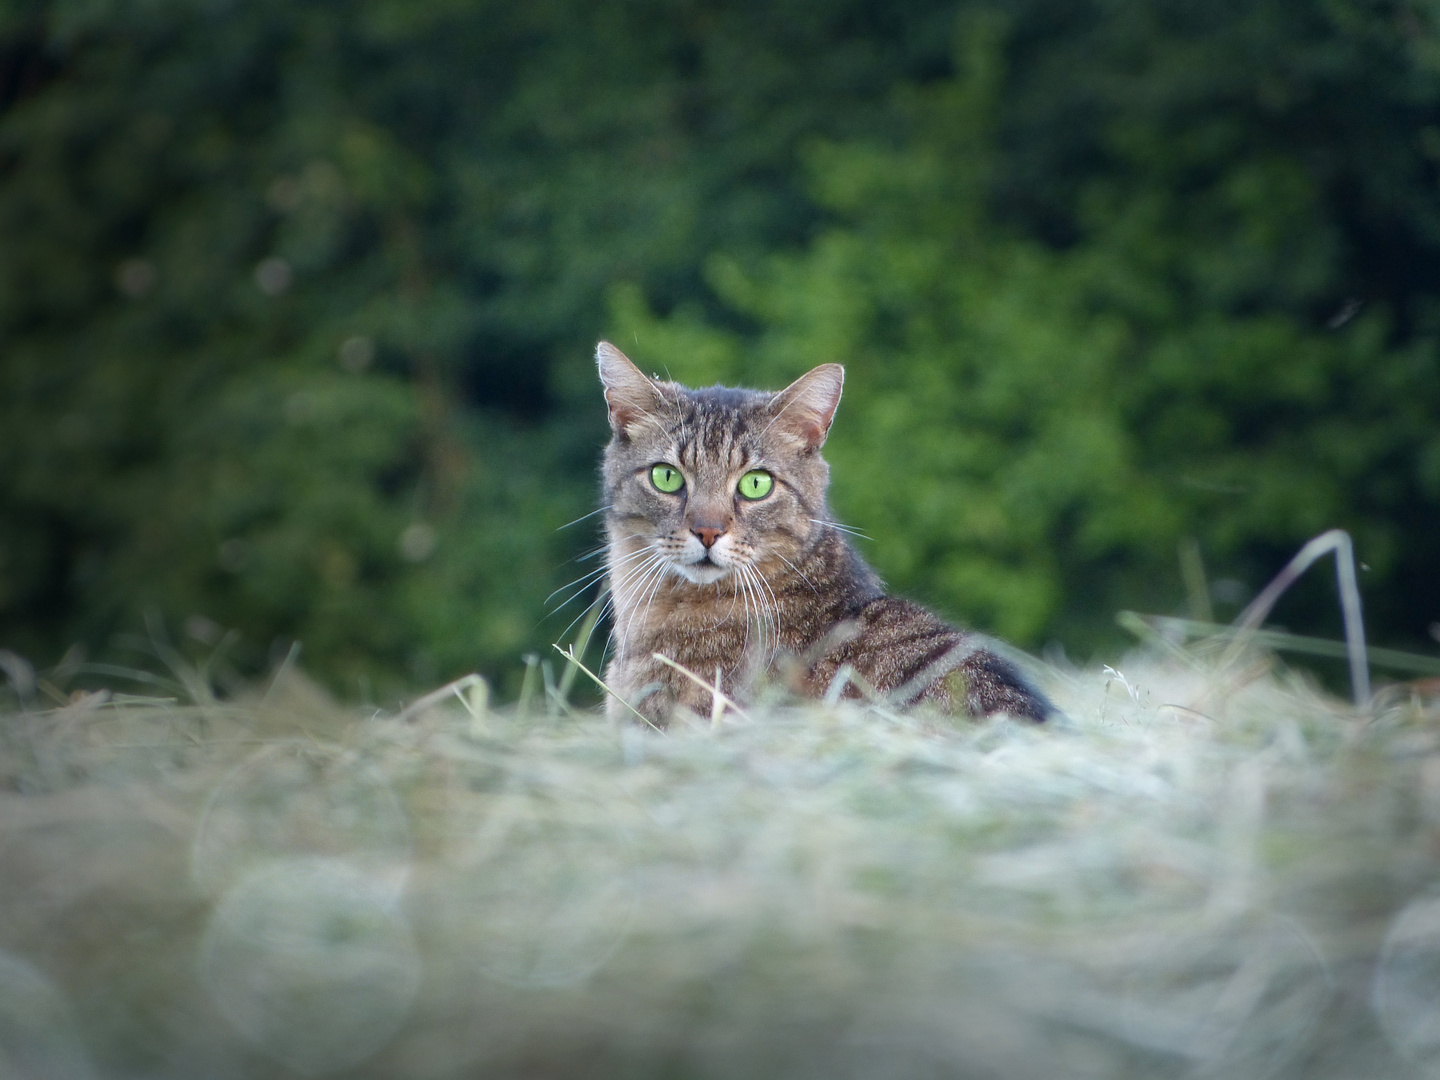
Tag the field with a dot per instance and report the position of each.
(1207, 867)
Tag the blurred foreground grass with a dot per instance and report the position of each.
(1196, 872)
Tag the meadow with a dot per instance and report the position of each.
(1207, 866)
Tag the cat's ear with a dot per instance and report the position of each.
(805, 408)
(631, 396)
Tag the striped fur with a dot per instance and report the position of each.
(779, 595)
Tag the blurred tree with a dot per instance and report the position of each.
(296, 299)
(1141, 272)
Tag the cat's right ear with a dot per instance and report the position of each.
(632, 397)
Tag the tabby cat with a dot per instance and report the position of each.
(723, 557)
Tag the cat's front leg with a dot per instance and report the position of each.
(645, 686)
(653, 708)
(657, 691)
(637, 688)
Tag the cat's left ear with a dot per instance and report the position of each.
(805, 408)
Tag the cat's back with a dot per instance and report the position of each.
(905, 652)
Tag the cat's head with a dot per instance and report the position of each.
(712, 481)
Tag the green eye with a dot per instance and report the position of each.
(756, 484)
(667, 478)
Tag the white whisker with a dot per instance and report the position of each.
(771, 617)
(624, 629)
(769, 634)
(583, 612)
(654, 590)
(800, 573)
(582, 517)
(621, 569)
(774, 606)
(765, 606)
(649, 574)
(634, 578)
(584, 580)
(744, 584)
(734, 599)
(840, 528)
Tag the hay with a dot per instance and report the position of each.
(1193, 873)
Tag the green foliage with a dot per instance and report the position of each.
(297, 300)
(1031, 428)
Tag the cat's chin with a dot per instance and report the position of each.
(701, 573)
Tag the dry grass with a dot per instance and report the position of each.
(1197, 873)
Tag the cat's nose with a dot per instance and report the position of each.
(707, 535)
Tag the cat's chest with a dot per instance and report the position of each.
(681, 608)
(719, 625)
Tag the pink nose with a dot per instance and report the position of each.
(708, 536)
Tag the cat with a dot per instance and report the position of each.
(723, 557)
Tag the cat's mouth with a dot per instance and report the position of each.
(703, 571)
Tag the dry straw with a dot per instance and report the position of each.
(1207, 867)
